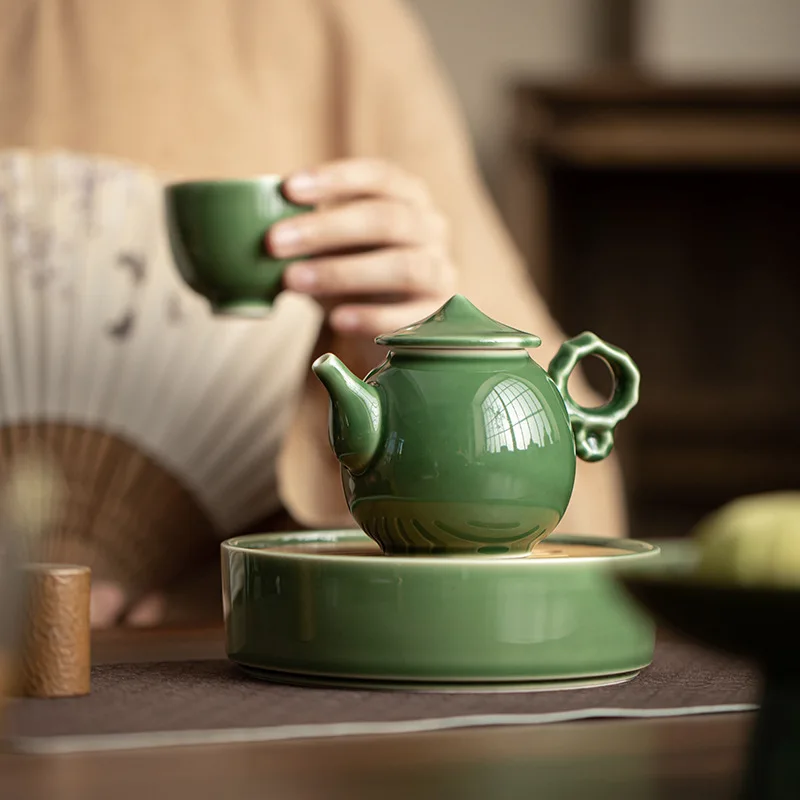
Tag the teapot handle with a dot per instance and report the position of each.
(594, 427)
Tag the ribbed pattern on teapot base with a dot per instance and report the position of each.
(455, 529)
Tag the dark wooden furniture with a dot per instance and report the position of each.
(691, 758)
(667, 219)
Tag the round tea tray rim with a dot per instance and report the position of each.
(278, 545)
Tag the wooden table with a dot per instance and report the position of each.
(686, 758)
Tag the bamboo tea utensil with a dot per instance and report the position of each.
(30, 501)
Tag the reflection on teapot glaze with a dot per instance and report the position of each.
(394, 444)
(515, 418)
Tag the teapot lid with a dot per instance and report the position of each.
(458, 323)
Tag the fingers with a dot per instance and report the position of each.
(107, 601)
(148, 612)
(360, 224)
(374, 250)
(371, 320)
(420, 271)
(349, 179)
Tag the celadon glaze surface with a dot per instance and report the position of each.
(216, 232)
(460, 443)
(489, 474)
(329, 605)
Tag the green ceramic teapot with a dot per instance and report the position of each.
(459, 443)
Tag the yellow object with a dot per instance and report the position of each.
(754, 540)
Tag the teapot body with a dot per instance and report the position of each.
(477, 455)
(460, 444)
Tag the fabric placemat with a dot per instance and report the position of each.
(202, 702)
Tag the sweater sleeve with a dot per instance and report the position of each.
(396, 104)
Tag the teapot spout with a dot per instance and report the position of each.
(355, 424)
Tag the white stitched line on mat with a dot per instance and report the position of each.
(132, 741)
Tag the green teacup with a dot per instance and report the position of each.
(216, 233)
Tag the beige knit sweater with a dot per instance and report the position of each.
(209, 88)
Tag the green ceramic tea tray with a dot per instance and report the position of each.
(329, 608)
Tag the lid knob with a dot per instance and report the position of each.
(459, 324)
